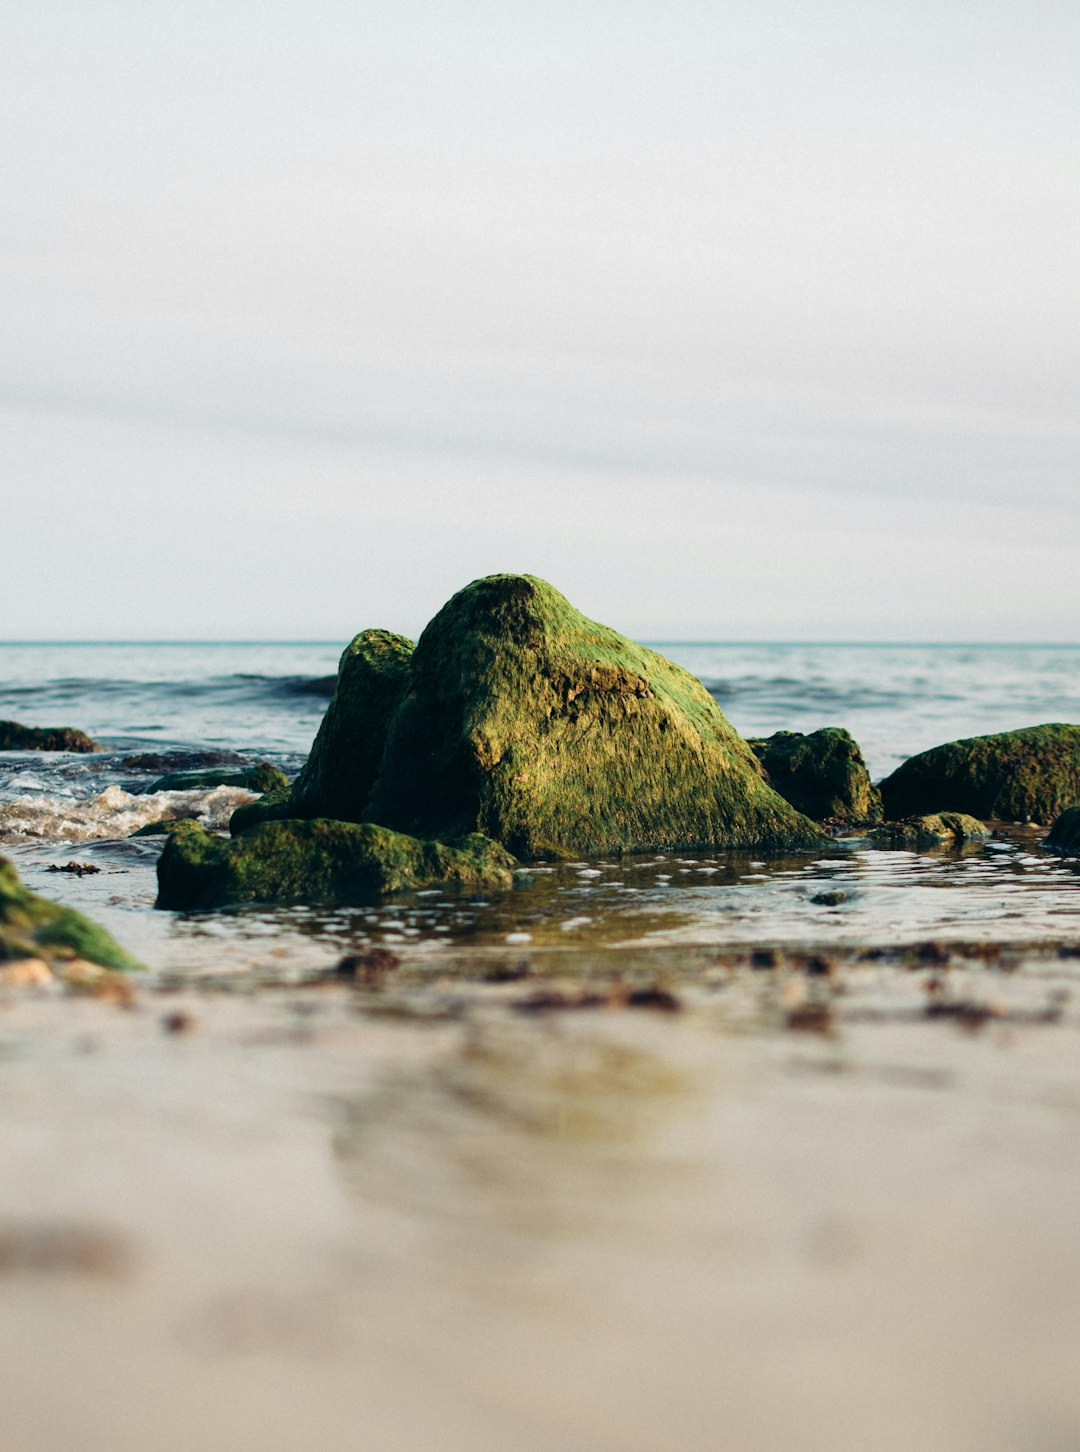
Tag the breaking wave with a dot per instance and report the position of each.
(113, 813)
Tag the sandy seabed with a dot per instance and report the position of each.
(438, 1213)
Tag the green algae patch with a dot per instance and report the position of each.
(932, 830)
(318, 861)
(14, 737)
(821, 773)
(337, 778)
(555, 735)
(33, 927)
(1028, 775)
(1064, 835)
(261, 778)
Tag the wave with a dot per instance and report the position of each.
(113, 813)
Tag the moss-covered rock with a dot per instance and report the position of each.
(273, 807)
(821, 773)
(14, 737)
(930, 831)
(33, 927)
(260, 778)
(337, 778)
(557, 736)
(1064, 835)
(165, 829)
(317, 861)
(1030, 774)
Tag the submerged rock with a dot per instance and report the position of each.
(930, 831)
(260, 778)
(33, 927)
(821, 773)
(14, 737)
(1064, 835)
(337, 778)
(317, 861)
(534, 725)
(1025, 775)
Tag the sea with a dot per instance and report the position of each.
(161, 706)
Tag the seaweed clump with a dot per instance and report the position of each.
(33, 927)
(317, 861)
(821, 773)
(14, 737)
(1028, 775)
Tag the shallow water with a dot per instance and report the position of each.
(156, 706)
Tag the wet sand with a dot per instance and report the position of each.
(803, 1210)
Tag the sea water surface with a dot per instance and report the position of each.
(158, 706)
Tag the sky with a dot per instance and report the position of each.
(734, 320)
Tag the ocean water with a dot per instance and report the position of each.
(155, 706)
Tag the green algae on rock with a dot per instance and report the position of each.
(318, 861)
(534, 725)
(14, 737)
(33, 927)
(337, 778)
(930, 831)
(260, 778)
(1064, 835)
(821, 774)
(1025, 775)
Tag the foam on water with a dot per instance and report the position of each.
(113, 813)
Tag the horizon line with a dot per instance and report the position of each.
(647, 641)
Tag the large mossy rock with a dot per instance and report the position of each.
(337, 778)
(556, 736)
(1064, 835)
(263, 777)
(821, 774)
(14, 737)
(1027, 775)
(317, 861)
(33, 927)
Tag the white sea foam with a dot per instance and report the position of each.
(113, 813)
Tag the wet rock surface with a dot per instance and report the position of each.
(1028, 775)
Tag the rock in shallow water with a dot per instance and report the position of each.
(14, 737)
(317, 861)
(1028, 775)
(930, 831)
(1064, 835)
(821, 773)
(260, 778)
(33, 927)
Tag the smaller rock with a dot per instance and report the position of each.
(318, 861)
(930, 831)
(1064, 835)
(167, 827)
(821, 774)
(260, 778)
(14, 737)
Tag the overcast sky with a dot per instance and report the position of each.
(735, 320)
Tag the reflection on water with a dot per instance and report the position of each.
(847, 895)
